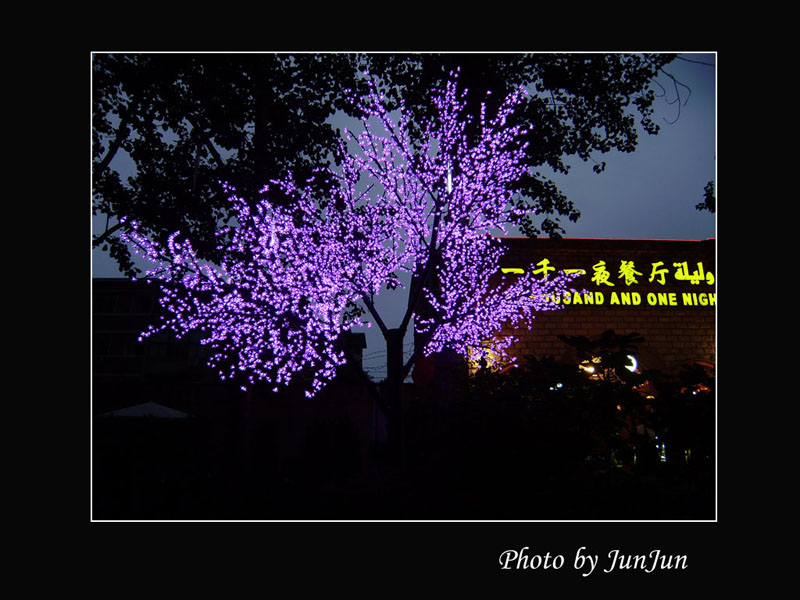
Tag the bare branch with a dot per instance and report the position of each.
(697, 62)
(103, 236)
(676, 83)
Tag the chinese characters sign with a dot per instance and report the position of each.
(615, 284)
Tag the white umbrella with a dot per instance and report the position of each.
(148, 409)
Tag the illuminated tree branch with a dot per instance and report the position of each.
(279, 300)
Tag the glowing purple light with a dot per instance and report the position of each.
(277, 303)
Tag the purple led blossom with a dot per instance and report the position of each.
(278, 302)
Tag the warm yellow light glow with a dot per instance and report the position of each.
(490, 359)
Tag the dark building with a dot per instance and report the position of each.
(126, 371)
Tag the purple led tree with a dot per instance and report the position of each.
(292, 275)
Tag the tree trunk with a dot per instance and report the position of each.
(394, 390)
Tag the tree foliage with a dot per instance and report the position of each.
(188, 121)
(279, 299)
(608, 416)
(578, 105)
(709, 202)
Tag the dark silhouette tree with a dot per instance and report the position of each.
(709, 202)
(188, 121)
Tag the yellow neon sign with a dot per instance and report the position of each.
(637, 299)
(602, 276)
(630, 275)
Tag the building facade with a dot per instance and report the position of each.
(663, 290)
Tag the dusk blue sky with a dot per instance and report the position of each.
(648, 194)
(652, 192)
